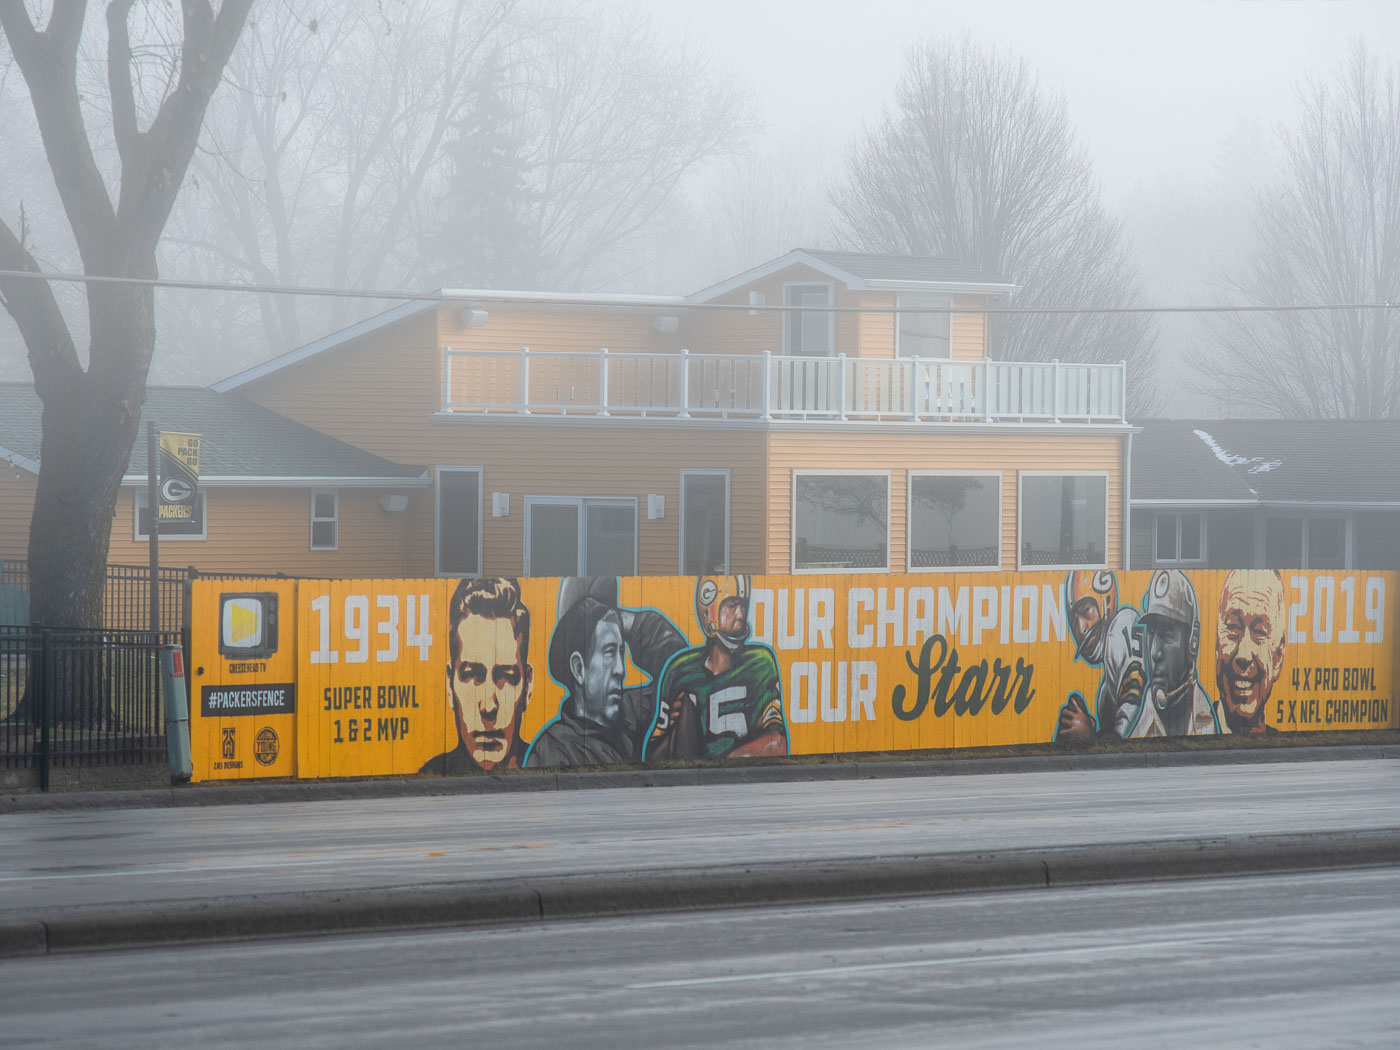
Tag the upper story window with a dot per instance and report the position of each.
(926, 332)
(809, 329)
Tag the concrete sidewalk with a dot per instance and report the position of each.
(629, 893)
(240, 793)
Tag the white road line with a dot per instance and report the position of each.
(961, 960)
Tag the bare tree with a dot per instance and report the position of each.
(314, 167)
(333, 161)
(976, 162)
(762, 204)
(615, 123)
(1330, 235)
(158, 94)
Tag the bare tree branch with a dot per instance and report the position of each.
(975, 162)
(1330, 235)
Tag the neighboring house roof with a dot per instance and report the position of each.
(1278, 461)
(457, 298)
(865, 270)
(243, 443)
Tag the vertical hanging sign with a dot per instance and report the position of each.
(179, 481)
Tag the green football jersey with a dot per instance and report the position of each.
(734, 706)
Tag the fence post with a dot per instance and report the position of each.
(41, 699)
(1055, 390)
(685, 383)
(767, 386)
(603, 382)
(841, 386)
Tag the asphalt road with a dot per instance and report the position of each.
(1277, 961)
(57, 860)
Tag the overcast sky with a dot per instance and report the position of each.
(1152, 85)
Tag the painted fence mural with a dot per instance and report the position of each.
(333, 678)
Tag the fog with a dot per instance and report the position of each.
(745, 115)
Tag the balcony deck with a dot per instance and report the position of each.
(778, 389)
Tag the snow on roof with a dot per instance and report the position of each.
(1252, 465)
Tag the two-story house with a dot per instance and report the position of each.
(824, 412)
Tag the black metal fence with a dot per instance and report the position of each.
(80, 698)
(126, 597)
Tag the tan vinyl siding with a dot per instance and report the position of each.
(876, 330)
(968, 451)
(734, 331)
(601, 460)
(16, 508)
(268, 530)
(376, 392)
(969, 336)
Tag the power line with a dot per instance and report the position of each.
(580, 300)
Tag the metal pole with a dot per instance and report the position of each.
(153, 526)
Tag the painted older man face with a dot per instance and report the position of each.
(1249, 646)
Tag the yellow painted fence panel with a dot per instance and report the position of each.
(395, 677)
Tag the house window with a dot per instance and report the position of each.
(169, 530)
(927, 333)
(1305, 542)
(325, 519)
(459, 521)
(954, 521)
(1063, 520)
(704, 522)
(572, 536)
(1180, 538)
(840, 521)
(808, 329)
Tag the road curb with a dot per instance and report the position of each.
(629, 893)
(223, 794)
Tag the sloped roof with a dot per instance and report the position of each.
(860, 270)
(1267, 461)
(924, 268)
(241, 440)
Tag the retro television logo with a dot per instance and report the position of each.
(247, 625)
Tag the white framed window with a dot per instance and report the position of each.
(1062, 519)
(169, 530)
(580, 536)
(927, 333)
(1179, 537)
(325, 519)
(954, 520)
(704, 538)
(840, 521)
(457, 528)
(1306, 541)
(808, 329)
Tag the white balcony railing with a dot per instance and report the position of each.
(771, 387)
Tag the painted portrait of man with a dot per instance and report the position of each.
(489, 677)
(1175, 703)
(721, 699)
(1105, 636)
(602, 720)
(1249, 646)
